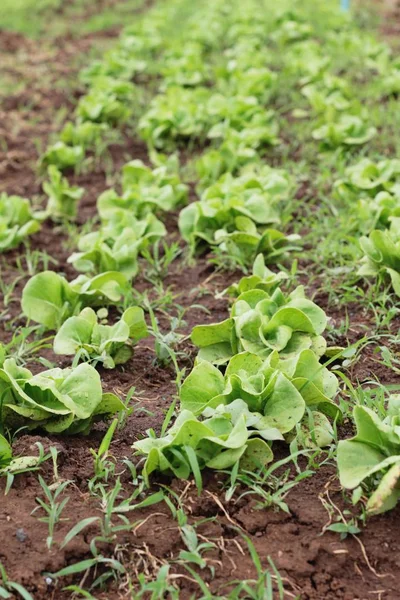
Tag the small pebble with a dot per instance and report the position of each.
(21, 535)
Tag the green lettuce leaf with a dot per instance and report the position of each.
(49, 299)
(56, 400)
(109, 344)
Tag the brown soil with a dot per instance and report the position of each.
(315, 566)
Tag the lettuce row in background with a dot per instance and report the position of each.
(49, 299)
(17, 221)
(111, 96)
(180, 111)
(109, 344)
(57, 400)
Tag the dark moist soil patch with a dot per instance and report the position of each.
(315, 566)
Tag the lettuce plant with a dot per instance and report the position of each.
(289, 31)
(236, 416)
(279, 389)
(262, 278)
(306, 61)
(109, 344)
(243, 53)
(115, 247)
(185, 66)
(119, 62)
(17, 221)
(382, 254)
(49, 299)
(86, 134)
(116, 219)
(98, 254)
(144, 190)
(108, 101)
(261, 130)
(245, 243)
(254, 195)
(346, 130)
(191, 444)
(102, 107)
(376, 213)
(375, 55)
(367, 178)
(247, 80)
(234, 111)
(229, 157)
(182, 113)
(15, 465)
(237, 148)
(177, 114)
(58, 400)
(389, 84)
(63, 199)
(316, 384)
(63, 156)
(261, 323)
(328, 93)
(372, 456)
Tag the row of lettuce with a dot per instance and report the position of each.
(216, 84)
(217, 89)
